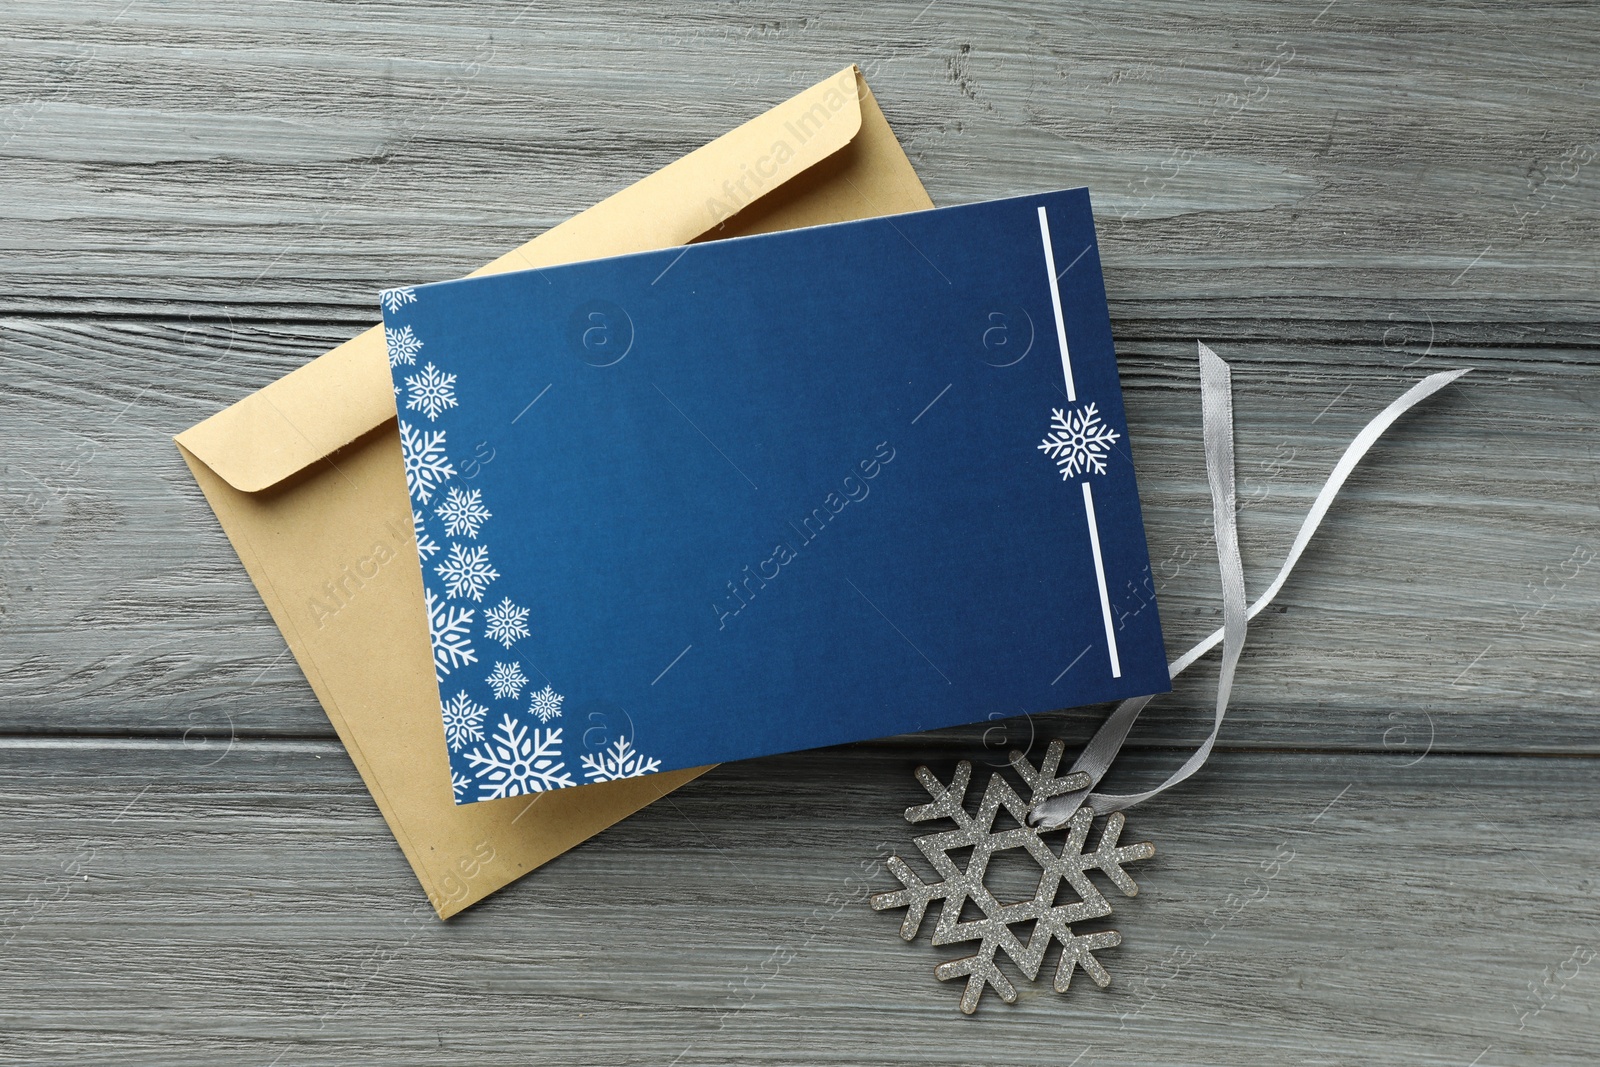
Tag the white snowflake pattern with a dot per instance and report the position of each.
(403, 346)
(467, 572)
(426, 546)
(427, 466)
(507, 680)
(458, 784)
(1078, 441)
(449, 628)
(617, 761)
(463, 720)
(463, 512)
(505, 622)
(395, 299)
(515, 761)
(432, 391)
(546, 704)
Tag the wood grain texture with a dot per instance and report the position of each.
(1250, 160)
(1323, 909)
(196, 198)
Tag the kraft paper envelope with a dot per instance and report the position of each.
(306, 477)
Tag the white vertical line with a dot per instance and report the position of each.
(1100, 577)
(1055, 302)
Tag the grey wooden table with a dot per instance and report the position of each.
(1391, 860)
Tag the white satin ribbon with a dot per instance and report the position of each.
(1216, 401)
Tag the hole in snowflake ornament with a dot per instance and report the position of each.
(1042, 918)
(1012, 877)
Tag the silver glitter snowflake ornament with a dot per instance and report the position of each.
(994, 932)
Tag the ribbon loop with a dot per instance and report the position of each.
(1216, 398)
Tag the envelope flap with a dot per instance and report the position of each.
(328, 403)
(690, 196)
(298, 419)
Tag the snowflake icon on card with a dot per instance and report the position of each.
(617, 761)
(506, 623)
(547, 704)
(507, 680)
(515, 760)
(1078, 441)
(450, 631)
(463, 721)
(427, 465)
(467, 572)
(403, 346)
(463, 512)
(431, 391)
(395, 299)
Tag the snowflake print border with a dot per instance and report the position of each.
(1078, 441)
(450, 632)
(432, 391)
(507, 681)
(467, 572)
(463, 720)
(427, 466)
(395, 299)
(617, 761)
(515, 761)
(463, 512)
(547, 704)
(426, 545)
(1048, 920)
(403, 346)
(505, 623)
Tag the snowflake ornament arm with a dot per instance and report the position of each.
(426, 545)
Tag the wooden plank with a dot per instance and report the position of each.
(164, 906)
(125, 610)
(1251, 161)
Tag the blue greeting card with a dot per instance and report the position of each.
(770, 493)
